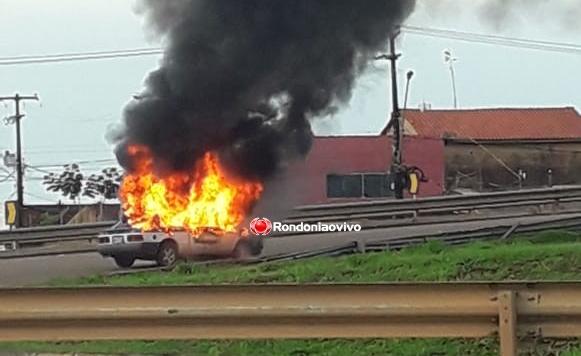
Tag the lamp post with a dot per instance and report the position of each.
(409, 76)
(449, 59)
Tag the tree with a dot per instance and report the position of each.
(72, 184)
(106, 185)
(69, 183)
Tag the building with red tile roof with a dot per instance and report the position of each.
(503, 148)
(495, 124)
(468, 149)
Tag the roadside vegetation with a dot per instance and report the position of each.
(551, 255)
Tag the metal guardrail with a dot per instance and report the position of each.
(379, 245)
(373, 214)
(570, 222)
(565, 194)
(500, 231)
(47, 232)
(29, 241)
(406, 310)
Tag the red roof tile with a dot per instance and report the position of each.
(496, 124)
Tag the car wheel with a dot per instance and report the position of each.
(256, 246)
(242, 250)
(167, 255)
(124, 261)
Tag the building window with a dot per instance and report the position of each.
(376, 186)
(344, 186)
(371, 185)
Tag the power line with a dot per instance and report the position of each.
(39, 170)
(48, 200)
(78, 54)
(495, 37)
(548, 46)
(58, 165)
(9, 196)
(81, 56)
(570, 48)
(7, 178)
(41, 152)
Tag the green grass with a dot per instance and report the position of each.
(554, 255)
(551, 255)
(268, 348)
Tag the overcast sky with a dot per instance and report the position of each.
(80, 100)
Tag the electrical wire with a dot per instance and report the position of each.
(60, 165)
(48, 151)
(39, 170)
(552, 46)
(548, 46)
(7, 178)
(80, 56)
(10, 196)
(38, 197)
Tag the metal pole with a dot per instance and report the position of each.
(450, 59)
(395, 122)
(19, 170)
(396, 113)
(17, 98)
(396, 119)
(410, 74)
(453, 75)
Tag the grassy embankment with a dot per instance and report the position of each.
(554, 255)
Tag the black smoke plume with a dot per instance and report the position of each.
(244, 77)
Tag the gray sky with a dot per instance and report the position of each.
(80, 100)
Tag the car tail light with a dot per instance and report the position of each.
(134, 238)
(104, 239)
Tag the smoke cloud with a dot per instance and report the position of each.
(244, 77)
(508, 14)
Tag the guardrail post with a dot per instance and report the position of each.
(360, 246)
(507, 323)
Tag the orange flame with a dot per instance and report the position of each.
(204, 198)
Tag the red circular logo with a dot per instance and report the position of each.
(260, 226)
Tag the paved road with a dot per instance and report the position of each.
(39, 270)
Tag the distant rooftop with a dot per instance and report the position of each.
(495, 124)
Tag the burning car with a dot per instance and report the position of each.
(196, 213)
(126, 245)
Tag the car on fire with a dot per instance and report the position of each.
(126, 245)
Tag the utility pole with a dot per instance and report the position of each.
(402, 177)
(396, 123)
(17, 99)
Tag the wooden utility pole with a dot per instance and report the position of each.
(17, 99)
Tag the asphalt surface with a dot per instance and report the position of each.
(32, 271)
(40, 270)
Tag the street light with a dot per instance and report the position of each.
(449, 59)
(409, 76)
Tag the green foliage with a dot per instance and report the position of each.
(268, 348)
(47, 219)
(69, 183)
(526, 257)
(554, 255)
(72, 183)
(105, 185)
